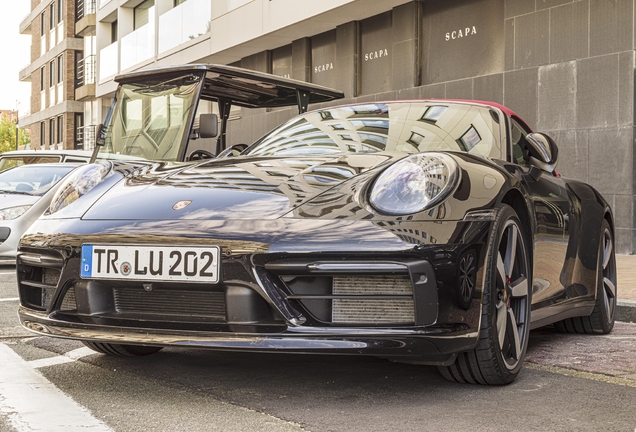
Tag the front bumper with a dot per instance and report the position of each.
(434, 346)
(276, 294)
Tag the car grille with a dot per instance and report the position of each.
(203, 304)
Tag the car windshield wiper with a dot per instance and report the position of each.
(14, 192)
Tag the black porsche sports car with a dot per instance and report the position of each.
(433, 231)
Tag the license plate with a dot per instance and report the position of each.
(139, 262)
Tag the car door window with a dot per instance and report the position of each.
(518, 140)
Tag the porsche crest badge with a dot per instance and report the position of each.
(181, 205)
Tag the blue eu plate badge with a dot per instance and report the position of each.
(87, 260)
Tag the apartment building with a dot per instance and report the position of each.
(566, 66)
(51, 72)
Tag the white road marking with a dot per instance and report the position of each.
(66, 358)
(49, 361)
(9, 299)
(30, 402)
(7, 272)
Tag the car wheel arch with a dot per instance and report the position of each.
(610, 220)
(515, 199)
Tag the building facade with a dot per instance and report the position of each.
(52, 74)
(565, 66)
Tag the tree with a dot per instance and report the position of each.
(7, 135)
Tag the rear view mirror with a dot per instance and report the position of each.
(208, 125)
(543, 151)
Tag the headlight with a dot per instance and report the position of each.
(13, 212)
(79, 183)
(415, 183)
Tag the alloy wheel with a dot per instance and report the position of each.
(512, 295)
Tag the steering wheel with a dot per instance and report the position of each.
(201, 154)
(235, 150)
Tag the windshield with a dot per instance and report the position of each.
(386, 127)
(14, 161)
(149, 120)
(32, 179)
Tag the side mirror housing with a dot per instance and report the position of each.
(208, 125)
(542, 151)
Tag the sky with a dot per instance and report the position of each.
(15, 50)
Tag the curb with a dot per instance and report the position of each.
(626, 310)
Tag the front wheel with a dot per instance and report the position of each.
(121, 350)
(505, 320)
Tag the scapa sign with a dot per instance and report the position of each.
(461, 33)
(376, 54)
(323, 68)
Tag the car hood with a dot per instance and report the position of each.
(232, 188)
(16, 200)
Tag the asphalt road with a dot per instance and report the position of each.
(198, 390)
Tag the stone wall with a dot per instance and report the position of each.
(566, 67)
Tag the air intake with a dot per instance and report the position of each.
(373, 310)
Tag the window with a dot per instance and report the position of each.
(416, 139)
(433, 113)
(60, 68)
(51, 131)
(60, 13)
(42, 79)
(52, 73)
(469, 139)
(60, 129)
(79, 131)
(178, 2)
(52, 15)
(518, 140)
(142, 13)
(113, 32)
(42, 23)
(42, 134)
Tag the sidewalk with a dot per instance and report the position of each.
(626, 265)
(626, 307)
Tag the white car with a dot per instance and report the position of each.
(26, 157)
(25, 193)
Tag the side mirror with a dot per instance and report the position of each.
(543, 151)
(208, 125)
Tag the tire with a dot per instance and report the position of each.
(121, 350)
(505, 320)
(601, 321)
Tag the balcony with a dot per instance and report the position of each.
(85, 17)
(85, 71)
(108, 61)
(83, 8)
(85, 78)
(183, 23)
(140, 44)
(85, 137)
